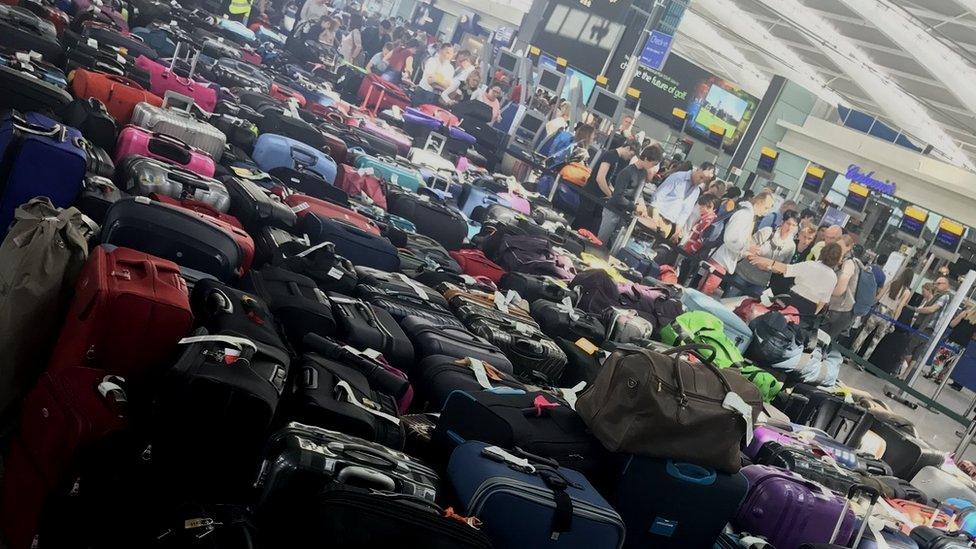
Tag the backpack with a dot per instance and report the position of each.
(715, 233)
(866, 290)
(774, 340)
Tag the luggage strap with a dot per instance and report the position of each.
(343, 388)
(414, 286)
(231, 354)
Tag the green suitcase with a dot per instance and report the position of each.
(393, 171)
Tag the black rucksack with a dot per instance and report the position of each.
(715, 233)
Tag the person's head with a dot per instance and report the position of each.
(806, 235)
(928, 290)
(626, 122)
(446, 51)
(788, 206)
(584, 135)
(847, 243)
(831, 255)
(716, 188)
(807, 213)
(882, 259)
(563, 110)
(462, 58)
(748, 194)
(704, 174)
(942, 285)
(762, 203)
(706, 203)
(732, 192)
(473, 80)
(386, 27)
(355, 20)
(628, 150)
(831, 234)
(388, 47)
(791, 220)
(902, 281)
(332, 24)
(495, 92)
(650, 158)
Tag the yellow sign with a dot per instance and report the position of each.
(951, 226)
(678, 113)
(717, 129)
(766, 151)
(816, 171)
(534, 50)
(561, 61)
(601, 80)
(633, 92)
(915, 212)
(858, 189)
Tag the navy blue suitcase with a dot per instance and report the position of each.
(40, 157)
(359, 247)
(276, 151)
(640, 263)
(535, 505)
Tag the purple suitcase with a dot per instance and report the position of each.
(845, 456)
(397, 137)
(458, 134)
(414, 117)
(789, 510)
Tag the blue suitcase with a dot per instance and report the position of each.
(235, 30)
(277, 151)
(735, 328)
(475, 199)
(264, 34)
(361, 248)
(527, 507)
(392, 171)
(637, 256)
(40, 157)
(158, 39)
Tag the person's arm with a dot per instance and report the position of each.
(843, 280)
(906, 294)
(408, 68)
(601, 178)
(929, 309)
(958, 318)
(357, 43)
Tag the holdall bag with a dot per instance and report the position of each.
(333, 395)
(309, 183)
(330, 271)
(164, 79)
(304, 205)
(699, 503)
(66, 415)
(92, 119)
(179, 123)
(140, 175)
(220, 396)
(191, 240)
(526, 501)
(392, 171)
(295, 301)
(222, 309)
(430, 338)
(709, 428)
(127, 314)
(361, 247)
(789, 510)
(535, 287)
(361, 182)
(441, 375)
(275, 151)
(38, 157)
(255, 207)
(119, 94)
(366, 326)
(137, 141)
(474, 263)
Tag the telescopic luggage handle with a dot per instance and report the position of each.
(873, 493)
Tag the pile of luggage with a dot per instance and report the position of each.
(241, 311)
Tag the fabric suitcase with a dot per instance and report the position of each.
(40, 157)
(335, 146)
(932, 538)
(233, 73)
(372, 145)
(537, 423)
(200, 208)
(134, 140)
(141, 175)
(127, 314)
(360, 182)
(311, 184)
(330, 271)
(366, 326)
(281, 123)
(559, 320)
(222, 309)
(430, 338)
(392, 171)
(172, 233)
(164, 79)
(941, 485)
(305, 206)
(118, 39)
(22, 30)
(407, 303)
(256, 208)
(437, 376)
(298, 305)
(91, 118)
(274, 151)
(788, 510)
(474, 263)
(181, 125)
(119, 94)
(97, 196)
(699, 502)
(67, 414)
(443, 223)
(545, 506)
(737, 330)
(534, 287)
(428, 249)
(27, 90)
(397, 282)
(362, 248)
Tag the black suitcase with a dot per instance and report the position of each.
(97, 196)
(301, 460)
(433, 218)
(365, 326)
(932, 538)
(98, 160)
(272, 246)
(278, 122)
(439, 375)
(535, 287)
(146, 11)
(400, 283)
(220, 308)
(330, 271)
(79, 55)
(890, 352)
(172, 233)
(435, 277)
(381, 376)
(298, 305)
(24, 90)
(239, 110)
(218, 400)
(583, 362)
(906, 454)
(806, 464)
(309, 183)
(531, 352)
(332, 395)
(239, 131)
(558, 320)
(427, 249)
(111, 37)
(535, 422)
(255, 207)
(845, 422)
(627, 326)
(373, 145)
(237, 74)
(401, 304)
(259, 102)
(897, 488)
(21, 30)
(93, 121)
(362, 248)
(430, 339)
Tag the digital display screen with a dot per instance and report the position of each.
(913, 221)
(812, 181)
(530, 124)
(577, 78)
(857, 197)
(507, 61)
(605, 105)
(721, 109)
(767, 160)
(549, 80)
(949, 235)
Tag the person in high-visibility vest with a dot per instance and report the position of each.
(239, 9)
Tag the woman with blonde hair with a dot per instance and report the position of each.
(963, 326)
(894, 297)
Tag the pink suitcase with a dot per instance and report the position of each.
(402, 140)
(136, 140)
(517, 203)
(162, 79)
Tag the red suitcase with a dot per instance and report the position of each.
(243, 239)
(474, 263)
(356, 182)
(199, 207)
(128, 313)
(67, 412)
(335, 147)
(303, 204)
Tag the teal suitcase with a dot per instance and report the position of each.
(392, 171)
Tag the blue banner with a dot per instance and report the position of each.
(656, 50)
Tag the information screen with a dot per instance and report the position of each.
(913, 221)
(857, 197)
(949, 235)
(813, 179)
(767, 160)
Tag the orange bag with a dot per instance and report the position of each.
(444, 115)
(576, 173)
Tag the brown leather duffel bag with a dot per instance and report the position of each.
(658, 405)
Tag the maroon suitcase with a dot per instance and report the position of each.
(335, 147)
(65, 415)
(128, 313)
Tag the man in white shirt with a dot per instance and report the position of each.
(437, 76)
(737, 238)
(675, 199)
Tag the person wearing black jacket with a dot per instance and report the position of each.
(374, 36)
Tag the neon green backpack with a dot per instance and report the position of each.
(704, 328)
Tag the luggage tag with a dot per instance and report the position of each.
(571, 394)
(735, 403)
(480, 374)
(587, 346)
(301, 207)
(343, 389)
(566, 306)
(413, 285)
(502, 456)
(231, 354)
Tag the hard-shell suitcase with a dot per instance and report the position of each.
(128, 312)
(932, 538)
(40, 157)
(430, 338)
(173, 233)
(627, 326)
(401, 140)
(97, 196)
(304, 206)
(431, 160)
(311, 184)
(940, 485)
(140, 175)
(735, 328)
(433, 218)
(361, 182)
(255, 207)
(198, 207)
(372, 145)
(789, 510)
(905, 453)
(332, 395)
(119, 94)
(393, 172)
(22, 30)
(134, 140)
(233, 73)
(274, 151)
(806, 464)
(164, 79)
(181, 125)
(26, 89)
(295, 301)
(532, 353)
(366, 326)
(235, 30)
(541, 504)
(67, 414)
(361, 247)
(280, 122)
(699, 502)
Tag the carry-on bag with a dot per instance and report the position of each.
(255, 207)
(184, 237)
(433, 218)
(437, 376)
(127, 314)
(304, 206)
(534, 287)
(311, 184)
(529, 501)
(563, 320)
(357, 183)
(164, 79)
(134, 140)
(430, 338)
(140, 175)
(40, 157)
(330, 271)
(366, 326)
(274, 151)
(298, 305)
(30, 87)
(361, 247)
(533, 355)
(119, 94)
(222, 309)
(92, 119)
(174, 119)
(21, 30)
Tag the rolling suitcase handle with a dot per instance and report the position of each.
(852, 492)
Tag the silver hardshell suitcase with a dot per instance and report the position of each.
(174, 119)
(941, 485)
(145, 176)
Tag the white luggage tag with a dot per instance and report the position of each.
(231, 354)
(344, 390)
(316, 247)
(572, 393)
(414, 286)
(369, 353)
(566, 306)
(500, 302)
(503, 456)
(480, 374)
(735, 403)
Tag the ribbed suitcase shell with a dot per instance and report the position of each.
(142, 176)
(182, 126)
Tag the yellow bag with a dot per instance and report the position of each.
(593, 262)
(576, 173)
